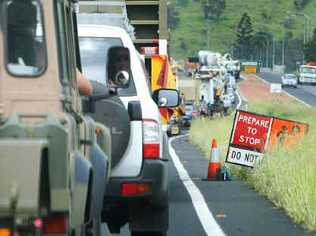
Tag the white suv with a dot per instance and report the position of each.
(138, 188)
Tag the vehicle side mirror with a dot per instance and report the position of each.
(118, 67)
(166, 98)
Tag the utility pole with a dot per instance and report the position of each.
(273, 52)
(207, 34)
(267, 53)
(307, 24)
(267, 48)
(283, 51)
(208, 6)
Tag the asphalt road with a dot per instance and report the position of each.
(235, 208)
(306, 93)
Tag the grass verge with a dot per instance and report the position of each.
(286, 177)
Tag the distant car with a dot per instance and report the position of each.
(289, 80)
(187, 117)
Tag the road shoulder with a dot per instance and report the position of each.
(237, 209)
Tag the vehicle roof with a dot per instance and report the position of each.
(308, 66)
(101, 31)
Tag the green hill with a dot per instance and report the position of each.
(190, 33)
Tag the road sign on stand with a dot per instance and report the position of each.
(252, 133)
(249, 138)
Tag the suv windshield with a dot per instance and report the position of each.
(94, 53)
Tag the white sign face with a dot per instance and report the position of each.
(243, 157)
(275, 88)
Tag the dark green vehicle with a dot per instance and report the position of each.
(54, 166)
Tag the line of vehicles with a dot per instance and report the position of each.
(216, 75)
(69, 163)
(306, 75)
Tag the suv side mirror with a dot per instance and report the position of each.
(118, 67)
(166, 98)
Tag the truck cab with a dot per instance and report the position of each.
(307, 74)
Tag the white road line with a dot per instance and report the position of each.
(240, 100)
(290, 95)
(205, 216)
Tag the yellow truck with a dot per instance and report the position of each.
(149, 19)
(162, 76)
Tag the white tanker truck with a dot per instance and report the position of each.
(213, 76)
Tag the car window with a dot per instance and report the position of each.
(26, 51)
(93, 52)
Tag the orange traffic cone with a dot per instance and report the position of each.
(214, 165)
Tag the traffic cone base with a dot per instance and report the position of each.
(213, 169)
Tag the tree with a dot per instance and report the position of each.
(183, 45)
(244, 37)
(288, 23)
(183, 3)
(213, 8)
(173, 17)
(300, 4)
(310, 48)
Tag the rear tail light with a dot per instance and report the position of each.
(135, 189)
(38, 223)
(55, 224)
(151, 139)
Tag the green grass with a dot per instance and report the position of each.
(192, 26)
(203, 130)
(286, 176)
